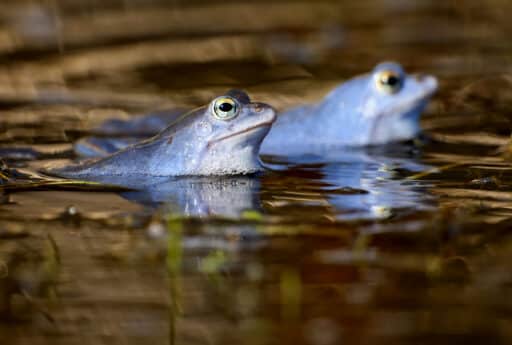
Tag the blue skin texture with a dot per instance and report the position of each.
(199, 143)
(362, 111)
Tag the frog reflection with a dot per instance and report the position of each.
(358, 184)
(226, 197)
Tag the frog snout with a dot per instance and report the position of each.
(421, 77)
(424, 78)
(259, 107)
(262, 109)
(427, 81)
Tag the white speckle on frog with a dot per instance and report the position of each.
(203, 129)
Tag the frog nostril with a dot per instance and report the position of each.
(421, 77)
(257, 108)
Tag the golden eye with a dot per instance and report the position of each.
(225, 108)
(388, 82)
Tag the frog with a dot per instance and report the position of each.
(221, 138)
(115, 134)
(381, 107)
(378, 108)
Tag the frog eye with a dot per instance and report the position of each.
(388, 81)
(225, 108)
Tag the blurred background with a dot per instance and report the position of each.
(425, 260)
(149, 53)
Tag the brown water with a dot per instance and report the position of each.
(410, 246)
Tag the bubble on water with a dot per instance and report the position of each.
(71, 210)
(156, 230)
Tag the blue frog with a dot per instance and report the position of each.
(222, 138)
(377, 108)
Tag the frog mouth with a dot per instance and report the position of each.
(236, 134)
(409, 111)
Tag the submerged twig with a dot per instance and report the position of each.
(435, 170)
(60, 184)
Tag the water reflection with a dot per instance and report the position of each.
(81, 62)
(201, 196)
(349, 185)
(359, 184)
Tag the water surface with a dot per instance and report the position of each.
(406, 245)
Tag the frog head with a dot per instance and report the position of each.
(382, 106)
(227, 135)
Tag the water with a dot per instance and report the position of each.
(407, 245)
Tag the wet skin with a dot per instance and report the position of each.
(222, 138)
(377, 108)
